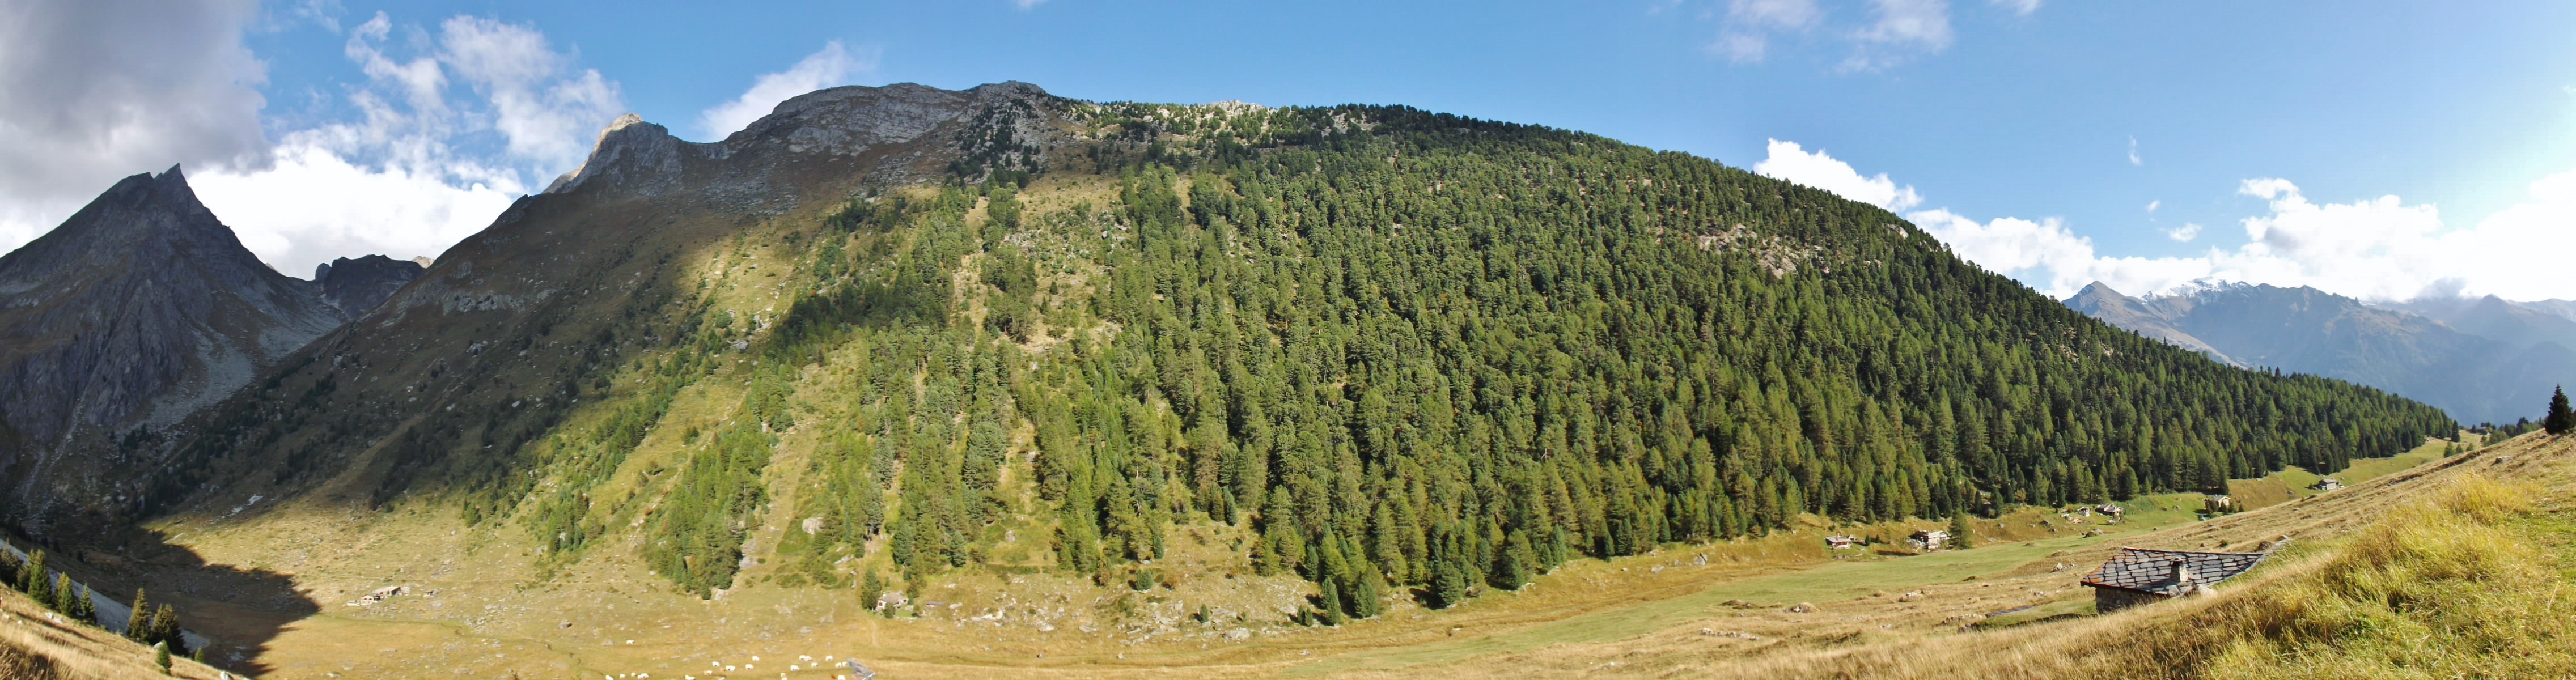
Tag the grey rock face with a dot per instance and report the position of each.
(355, 286)
(138, 310)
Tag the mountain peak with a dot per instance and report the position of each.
(630, 152)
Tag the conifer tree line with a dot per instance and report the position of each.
(1426, 354)
(1407, 354)
(56, 590)
(53, 589)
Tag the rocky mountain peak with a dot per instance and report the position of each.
(355, 285)
(631, 154)
(137, 310)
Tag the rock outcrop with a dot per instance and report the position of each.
(138, 310)
(354, 286)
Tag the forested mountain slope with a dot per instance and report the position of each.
(913, 330)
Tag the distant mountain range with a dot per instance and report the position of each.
(2482, 359)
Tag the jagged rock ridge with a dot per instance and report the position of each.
(137, 311)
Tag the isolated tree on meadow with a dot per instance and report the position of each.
(138, 625)
(2560, 418)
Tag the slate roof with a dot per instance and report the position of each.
(2151, 571)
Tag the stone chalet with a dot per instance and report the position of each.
(1930, 540)
(1842, 542)
(2327, 484)
(2141, 576)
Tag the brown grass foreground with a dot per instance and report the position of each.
(38, 645)
(2458, 576)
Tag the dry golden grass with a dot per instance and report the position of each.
(2434, 572)
(38, 645)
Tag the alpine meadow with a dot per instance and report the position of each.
(903, 381)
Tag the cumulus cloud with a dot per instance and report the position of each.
(439, 137)
(1787, 160)
(313, 205)
(103, 89)
(441, 140)
(2379, 248)
(2185, 233)
(831, 66)
(545, 110)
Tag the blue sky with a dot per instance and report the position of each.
(2033, 134)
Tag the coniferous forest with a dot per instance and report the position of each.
(1443, 352)
(1408, 352)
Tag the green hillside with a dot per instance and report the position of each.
(1405, 353)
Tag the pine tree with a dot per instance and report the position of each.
(63, 598)
(870, 589)
(165, 629)
(32, 581)
(84, 607)
(161, 657)
(138, 625)
(2560, 418)
(1448, 585)
(1962, 535)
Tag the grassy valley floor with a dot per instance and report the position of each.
(474, 609)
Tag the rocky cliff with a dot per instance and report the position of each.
(354, 286)
(132, 314)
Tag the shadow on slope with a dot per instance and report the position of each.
(237, 610)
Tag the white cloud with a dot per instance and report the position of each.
(1028, 4)
(1900, 29)
(1750, 23)
(2133, 153)
(96, 91)
(544, 111)
(2153, 205)
(1794, 15)
(831, 66)
(2021, 7)
(1922, 24)
(1790, 162)
(313, 205)
(1892, 31)
(441, 142)
(2048, 256)
(2376, 248)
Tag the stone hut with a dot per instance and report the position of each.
(2327, 484)
(2218, 504)
(2139, 576)
(1930, 540)
(1842, 542)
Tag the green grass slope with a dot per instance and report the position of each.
(1401, 356)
